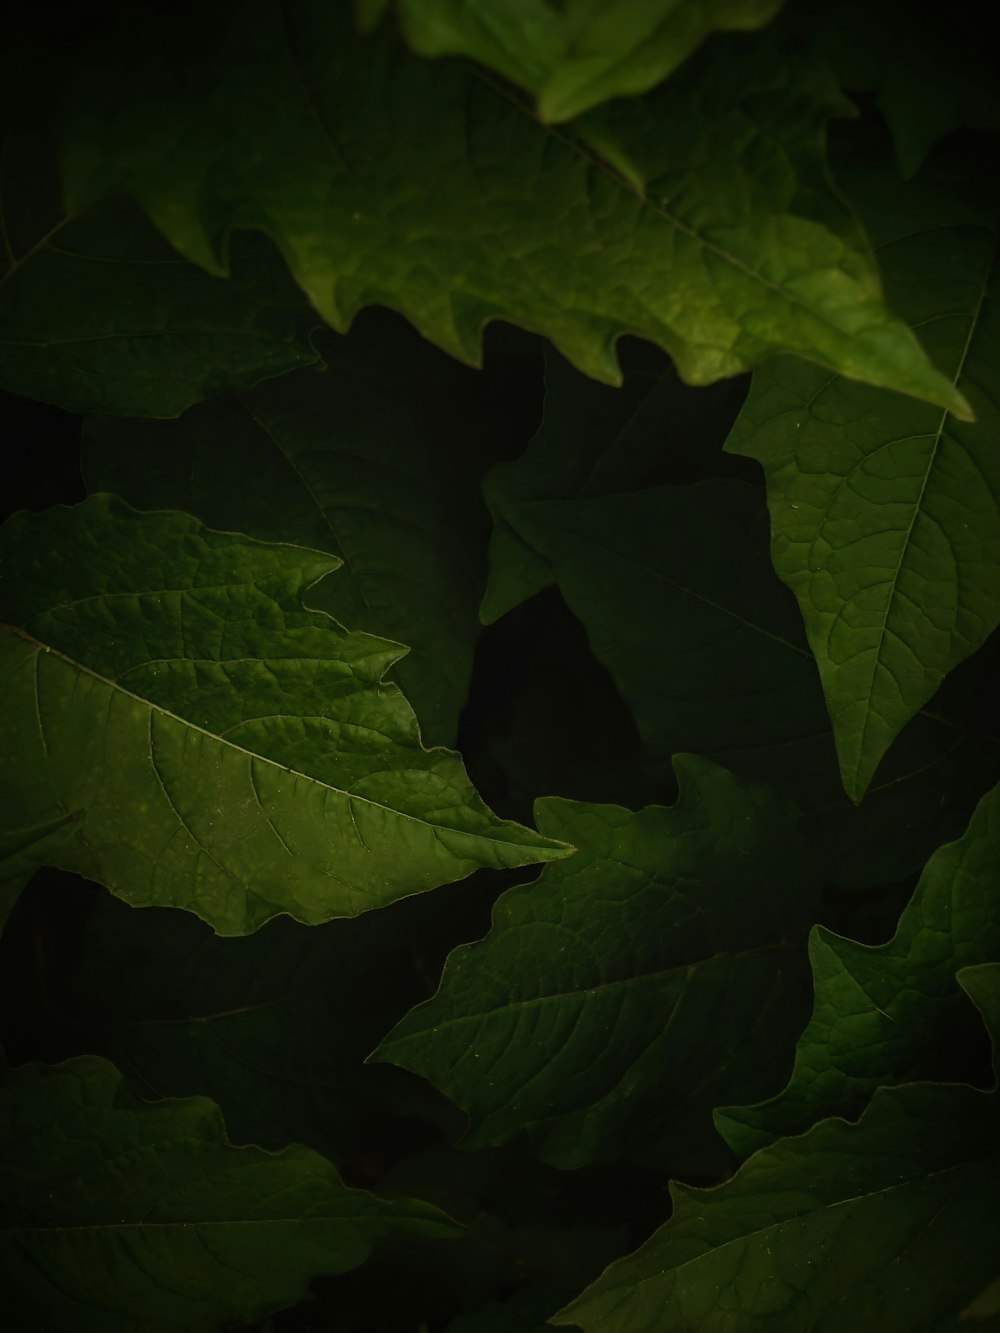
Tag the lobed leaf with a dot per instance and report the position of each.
(675, 590)
(884, 512)
(893, 1217)
(420, 185)
(377, 462)
(579, 55)
(148, 1220)
(928, 70)
(657, 541)
(274, 1027)
(889, 1014)
(181, 729)
(594, 440)
(598, 1013)
(99, 314)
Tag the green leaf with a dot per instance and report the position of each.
(889, 1014)
(675, 589)
(597, 1014)
(141, 1218)
(574, 57)
(419, 185)
(274, 1027)
(594, 440)
(99, 314)
(892, 1218)
(209, 743)
(377, 462)
(884, 512)
(928, 69)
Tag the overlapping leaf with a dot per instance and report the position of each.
(600, 1014)
(179, 728)
(579, 55)
(893, 1013)
(98, 314)
(884, 512)
(598, 441)
(384, 178)
(274, 1026)
(676, 591)
(928, 68)
(377, 462)
(137, 1217)
(892, 1218)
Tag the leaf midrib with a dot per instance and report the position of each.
(166, 713)
(877, 660)
(591, 158)
(806, 1213)
(623, 983)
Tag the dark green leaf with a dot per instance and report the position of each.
(179, 728)
(889, 1014)
(598, 1014)
(675, 588)
(419, 185)
(889, 1222)
(99, 314)
(676, 592)
(596, 441)
(377, 462)
(929, 68)
(273, 1026)
(136, 1217)
(885, 521)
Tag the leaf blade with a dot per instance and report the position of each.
(594, 1013)
(889, 1013)
(885, 519)
(376, 461)
(219, 747)
(583, 55)
(148, 1219)
(830, 1230)
(99, 314)
(683, 263)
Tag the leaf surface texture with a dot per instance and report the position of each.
(891, 1013)
(582, 54)
(420, 185)
(596, 1014)
(181, 729)
(885, 514)
(832, 1230)
(378, 462)
(151, 1221)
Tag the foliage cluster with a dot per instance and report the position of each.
(457, 436)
